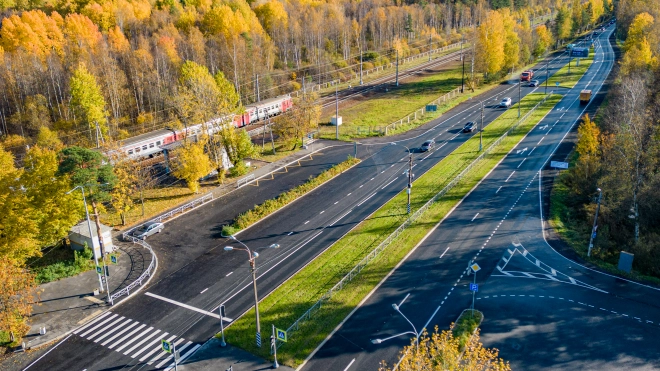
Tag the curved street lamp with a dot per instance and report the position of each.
(252, 256)
(413, 332)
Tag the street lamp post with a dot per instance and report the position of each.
(91, 236)
(481, 127)
(463, 73)
(252, 259)
(413, 332)
(519, 85)
(593, 230)
(337, 111)
(547, 73)
(410, 175)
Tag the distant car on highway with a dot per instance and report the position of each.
(147, 229)
(505, 103)
(427, 146)
(534, 83)
(469, 127)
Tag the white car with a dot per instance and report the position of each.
(147, 229)
(505, 103)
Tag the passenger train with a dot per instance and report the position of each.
(150, 144)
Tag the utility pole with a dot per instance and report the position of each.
(258, 96)
(361, 67)
(431, 46)
(410, 176)
(463, 73)
(397, 67)
(256, 298)
(519, 88)
(481, 126)
(547, 74)
(593, 230)
(337, 111)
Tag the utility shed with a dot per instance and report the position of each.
(79, 236)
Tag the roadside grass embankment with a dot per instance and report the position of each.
(573, 230)
(261, 211)
(294, 297)
(466, 325)
(568, 79)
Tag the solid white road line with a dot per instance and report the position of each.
(443, 254)
(521, 162)
(125, 337)
(202, 311)
(203, 291)
(338, 219)
(498, 189)
(366, 199)
(392, 181)
(349, 365)
(475, 217)
(306, 222)
(507, 179)
(45, 354)
(540, 141)
(230, 273)
(530, 152)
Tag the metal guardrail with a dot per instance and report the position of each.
(375, 252)
(422, 111)
(143, 277)
(126, 236)
(243, 181)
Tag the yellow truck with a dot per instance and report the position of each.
(585, 96)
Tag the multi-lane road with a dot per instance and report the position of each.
(542, 310)
(196, 275)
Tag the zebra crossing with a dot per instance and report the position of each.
(135, 339)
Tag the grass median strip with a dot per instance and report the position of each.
(568, 79)
(261, 211)
(288, 302)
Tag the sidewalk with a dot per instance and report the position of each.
(70, 302)
(211, 356)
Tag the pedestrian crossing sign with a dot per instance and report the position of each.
(113, 258)
(166, 345)
(99, 270)
(281, 335)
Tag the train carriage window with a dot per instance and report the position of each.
(144, 146)
(137, 150)
(151, 145)
(158, 143)
(130, 151)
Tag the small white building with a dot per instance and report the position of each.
(79, 236)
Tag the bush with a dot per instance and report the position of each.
(239, 169)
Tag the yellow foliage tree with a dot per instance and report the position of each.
(16, 299)
(638, 58)
(638, 29)
(490, 56)
(191, 164)
(511, 41)
(442, 352)
(272, 14)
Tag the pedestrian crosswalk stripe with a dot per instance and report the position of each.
(91, 322)
(156, 349)
(121, 327)
(134, 339)
(169, 356)
(149, 340)
(104, 329)
(121, 341)
(122, 331)
(98, 325)
(184, 356)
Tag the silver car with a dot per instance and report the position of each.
(147, 229)
(506, 102)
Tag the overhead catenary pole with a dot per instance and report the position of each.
(257, 86)
(397, 67)
(337, 111)
(595, 227)
(431, 45)
(481, 126)
(547, 74)
(256, 298)
(519, 88)
(91, 236)
(361, 66)
(463, 73)
(410, 161)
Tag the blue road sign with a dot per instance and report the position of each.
(113, 258)
(474, 287)
(557, 83)
(166, 345)
(99, 270)
(593, 235)
(281, 335)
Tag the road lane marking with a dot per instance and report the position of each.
(336, 202)
(530, 152)
(391, 181)
(203, 291)
(507, 179)
(91, 322)
(97, 326)
(290, 233)
(228, 274)
(338, 219)
(540, 141)
(306, 222)
(366, 199)
(202, 311)
(349, 365)
(475, 217)
(149, 338)
(190, 352)
(498, 189)
(349, 194)
(521, 162)
(322, 212)
(443, 254)
(121, 341)
(45, 354)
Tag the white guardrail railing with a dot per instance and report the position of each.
(422, 111)
(375, 252)
(144, 277)
(126, 236)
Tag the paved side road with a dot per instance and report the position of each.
(206, 358)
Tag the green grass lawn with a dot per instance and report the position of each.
(569, 79)
(293, 298)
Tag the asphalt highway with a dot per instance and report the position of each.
(488, 223)
(196, 275)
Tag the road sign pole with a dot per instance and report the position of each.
(475, 282)
(175, 358)
(273, 340)
(222, 326)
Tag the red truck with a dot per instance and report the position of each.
(527, 75)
